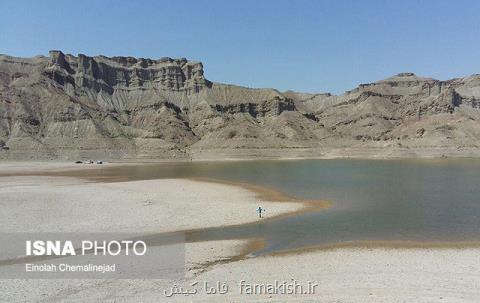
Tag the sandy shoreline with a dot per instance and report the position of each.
(378, 151)
(16, 166)
(352, 273)
(39, 203)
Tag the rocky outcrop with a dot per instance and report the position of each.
(272, 107)
(103, 74)
(65, 106)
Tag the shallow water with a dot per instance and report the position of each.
(384, 200)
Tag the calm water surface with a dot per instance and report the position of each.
(417, 200)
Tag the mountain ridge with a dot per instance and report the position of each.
(65, 107)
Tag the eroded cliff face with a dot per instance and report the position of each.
(65, 106)
(103, 74)
(404, 108)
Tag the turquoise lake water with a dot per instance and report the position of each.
(384, 200)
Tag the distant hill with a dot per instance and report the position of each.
(67, 107)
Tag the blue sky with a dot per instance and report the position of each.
(311, 46)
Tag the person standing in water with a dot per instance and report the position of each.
(260, 210)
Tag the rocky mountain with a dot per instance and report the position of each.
(70, 107)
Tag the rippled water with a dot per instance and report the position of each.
(418, 200)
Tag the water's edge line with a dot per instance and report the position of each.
(267, 194)
(380, 244)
